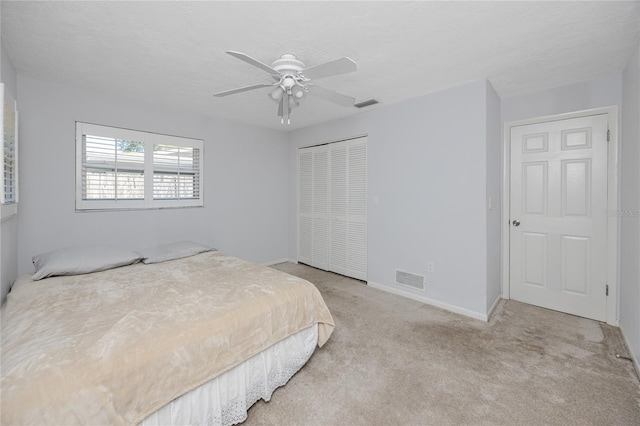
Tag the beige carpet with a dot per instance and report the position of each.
(394, 361)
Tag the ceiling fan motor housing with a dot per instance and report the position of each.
(288, 64)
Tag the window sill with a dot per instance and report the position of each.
(130, 209)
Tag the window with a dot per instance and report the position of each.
(128, 169)
(9, 126)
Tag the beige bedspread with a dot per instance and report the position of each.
(112, 347)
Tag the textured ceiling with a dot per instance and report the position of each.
(172, 53)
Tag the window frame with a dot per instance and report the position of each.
(9, 209)
(149, 139)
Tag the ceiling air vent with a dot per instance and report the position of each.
(366, 103)
(409, 279)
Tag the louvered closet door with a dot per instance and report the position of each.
(320, 248)
(357, 208)
(332, 219)
(338, 208)
(348, 208)
(305, 206)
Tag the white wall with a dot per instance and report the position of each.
(427, 166)
(599, 92)
(494, 194)
(245, 178)
(9, 227)
(630, 222)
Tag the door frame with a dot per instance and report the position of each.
(613, 229)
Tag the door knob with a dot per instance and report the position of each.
(516, 222)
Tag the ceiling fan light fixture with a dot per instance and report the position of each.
(276, 94)
(297, 93)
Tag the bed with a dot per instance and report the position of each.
(195, 340)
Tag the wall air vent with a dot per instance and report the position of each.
(366, 103)
(409, 279)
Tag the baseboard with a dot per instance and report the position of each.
(633, 356)
(275, 262)
(428, 301)
(493, 307)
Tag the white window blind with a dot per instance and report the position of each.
(176, 172)
(113, 169)
(9, 171)
(127, 169)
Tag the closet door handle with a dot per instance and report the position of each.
(516, 222)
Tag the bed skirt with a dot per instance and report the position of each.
(226, 399)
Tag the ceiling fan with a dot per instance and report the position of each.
(292, 81)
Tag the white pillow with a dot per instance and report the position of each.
(81, 260)
(172, 251)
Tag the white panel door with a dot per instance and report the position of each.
(558, 238)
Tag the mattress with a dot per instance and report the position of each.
(127, 341)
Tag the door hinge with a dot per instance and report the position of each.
(607, 290)
(608, 135)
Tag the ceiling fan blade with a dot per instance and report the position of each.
(330, 95)
(254, 62)
(339, 66)
(241, 89)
